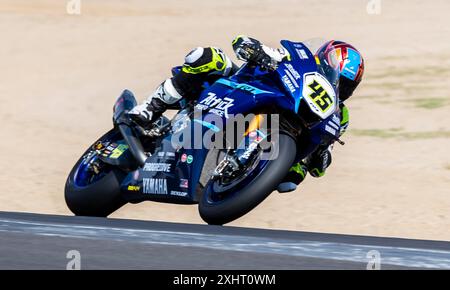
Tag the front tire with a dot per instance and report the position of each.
(243, 200)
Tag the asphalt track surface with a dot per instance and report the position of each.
(34, 241)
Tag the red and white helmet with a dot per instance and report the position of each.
(351, 65)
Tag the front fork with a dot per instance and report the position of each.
(237, 160)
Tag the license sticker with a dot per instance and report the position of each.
(117, 152)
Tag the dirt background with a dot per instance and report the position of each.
(61, 73)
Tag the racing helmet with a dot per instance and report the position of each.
(350, 62)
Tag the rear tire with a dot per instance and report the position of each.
(245, 199)
(100, 198)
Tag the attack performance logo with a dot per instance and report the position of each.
(216, 105)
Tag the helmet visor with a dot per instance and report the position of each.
(328, 64)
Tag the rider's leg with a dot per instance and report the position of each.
(295, 176)
(156, 104)
(315, 164)
(200, 65)
(319, 161)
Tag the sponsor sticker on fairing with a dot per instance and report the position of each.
(216, 105)
(302, 53)
(157, 167)
(293, 71)
(291, 77)
(184, 183)
(133, 187)
(154, 186)
(288, 83)
(178, 193)
(330, 130)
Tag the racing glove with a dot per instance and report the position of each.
(252, 51)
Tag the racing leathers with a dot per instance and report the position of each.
(316, 163)
(200, 65)
(207, 64)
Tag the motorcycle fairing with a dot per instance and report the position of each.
(238, 94)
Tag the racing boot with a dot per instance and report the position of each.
(155, 105)
(295, 176)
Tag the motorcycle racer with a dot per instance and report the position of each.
(207, 64)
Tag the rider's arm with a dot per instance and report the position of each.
(251, 50)
(200, 65)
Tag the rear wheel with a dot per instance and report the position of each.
(226, 200)
(90, 192)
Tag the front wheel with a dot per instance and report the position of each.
(223, 203)
(94, 193)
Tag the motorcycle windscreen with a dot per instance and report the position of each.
(125, 102)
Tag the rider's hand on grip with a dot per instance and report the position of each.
(253, 53)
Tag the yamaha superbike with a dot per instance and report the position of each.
(131, 164)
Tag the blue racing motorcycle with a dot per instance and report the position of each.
(131, 164)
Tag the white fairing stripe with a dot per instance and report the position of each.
(170, 95)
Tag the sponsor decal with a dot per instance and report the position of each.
(288, 83)
(330, 123)
(350, 70)
(154, 186)
(133, 187)
(157, 167)
(189, 159)
(178, 193)
(116, 153)
(98, 145)
(336, 119)
(293, 71)
(216, 105)
(184, 183)
(330, 130)
(291, 78)
(183, 157)
(166, 154)
(180, 125)
(302, 53)
(251, 148)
